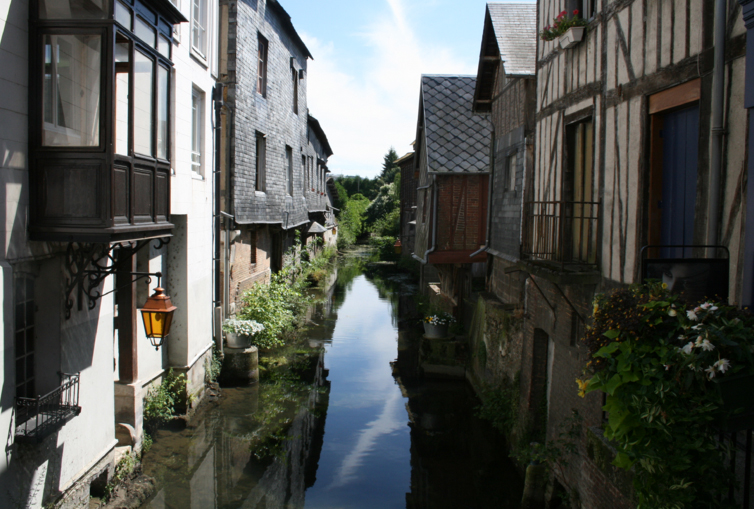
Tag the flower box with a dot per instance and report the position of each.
(432, 331)
(571, 37)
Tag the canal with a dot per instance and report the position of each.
(343, 418)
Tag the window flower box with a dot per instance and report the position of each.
(571, 37)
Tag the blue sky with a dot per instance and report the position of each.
(363, 85)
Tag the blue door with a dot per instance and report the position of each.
(680, 149)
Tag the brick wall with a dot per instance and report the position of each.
(251, 262)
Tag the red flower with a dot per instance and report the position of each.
(576, 12)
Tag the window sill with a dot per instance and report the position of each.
(260, 194)
(201, 60)
(196, 176)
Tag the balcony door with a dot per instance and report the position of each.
(673, 168)
(578, 194)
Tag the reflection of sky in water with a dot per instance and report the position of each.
(365, 460)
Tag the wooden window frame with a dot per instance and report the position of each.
(260, 162)
(262, 58)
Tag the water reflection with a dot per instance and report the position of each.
(339, 422)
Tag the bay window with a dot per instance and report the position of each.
(99, 118)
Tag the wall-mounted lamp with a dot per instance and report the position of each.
(157, 314)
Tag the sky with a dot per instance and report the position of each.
(369, 55)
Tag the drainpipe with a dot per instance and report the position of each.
(489, 206)
(718, 129)
(434, 220)
(218, 103)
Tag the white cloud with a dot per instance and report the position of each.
(368, 108)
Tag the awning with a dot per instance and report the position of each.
(316, 228)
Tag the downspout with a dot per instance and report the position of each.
(489, 200)
(216, 181)
(718, 129)
(434, 220)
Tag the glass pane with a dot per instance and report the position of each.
(20, 372)
(29, 314)
(197, 107)
(71, 90)
(143, 110)
(20, 343)
(145, 32)
(30, 339)
(73, 9)
(163, 46)
(20, 294)
(29, 288)
(29, 366)
(199, 26)
(163, 89)
(20, 316)
(123, 15)
(122, 80)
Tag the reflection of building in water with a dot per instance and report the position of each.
(216, 466)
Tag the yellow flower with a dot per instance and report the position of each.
(664, 286)
(583, 384)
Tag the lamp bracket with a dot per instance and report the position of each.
(88, 265)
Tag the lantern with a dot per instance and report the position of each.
(398, 246)
(157, 314)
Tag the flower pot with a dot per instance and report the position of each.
(571, 37)
(432, 331)
(233, 340)
(738, 404)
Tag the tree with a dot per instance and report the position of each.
(389, 168)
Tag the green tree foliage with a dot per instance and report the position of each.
(341, 196)
(389, 168)
(355, 184)
(351, 220)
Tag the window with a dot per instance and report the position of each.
(262, 66)
(261, 162)
(197, 129)
(143, 92)
(199, 27)
(177, 26)
(578, 192)
(510, 184)
(303, 168)
(585, 7)
(71, 90)
(294, 79)
(289, 167)
(24, 337)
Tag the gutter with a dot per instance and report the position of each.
(718, 128)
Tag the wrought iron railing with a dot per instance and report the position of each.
(38, 417)
(561, 232)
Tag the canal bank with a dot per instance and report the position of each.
(341, 418)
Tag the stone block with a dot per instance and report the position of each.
(240, 365)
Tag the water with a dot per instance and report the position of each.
(343, 419)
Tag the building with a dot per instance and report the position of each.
(107, 113)
(452, 156)
(316, 189)
(267, 167)
(409, 184)
(640, 141)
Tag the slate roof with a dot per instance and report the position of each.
(457, 141)
(516, 33)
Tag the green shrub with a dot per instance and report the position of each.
(160, 401)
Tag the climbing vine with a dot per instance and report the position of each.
(659, 361)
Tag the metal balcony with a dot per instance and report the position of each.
(37, 418)
(561, 233)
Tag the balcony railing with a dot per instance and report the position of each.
(39, 417)
(561, 232)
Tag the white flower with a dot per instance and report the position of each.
(707, 346)
(672, 312)
(710, 372)
(706, 305)
(692, 315)
(723, 365)
(697, 326)
(667, 367)
(688, 348)
(713, 308)
(698, 341)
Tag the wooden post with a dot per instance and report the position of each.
(127, 320)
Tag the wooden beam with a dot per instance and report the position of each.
(439, 257)
(128, 367)
(677, 96)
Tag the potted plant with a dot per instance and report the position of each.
(569, 30)
(238, 333)
(436, 325)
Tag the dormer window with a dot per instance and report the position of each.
(99, 119)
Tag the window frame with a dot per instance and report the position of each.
(294, 79)
(289, 169)
(25, 280)
(260, 163)
(204, 23)
(263, 48)
(198, 113)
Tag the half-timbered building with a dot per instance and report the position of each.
(452, 155)
(409, 177)
(640, 150)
